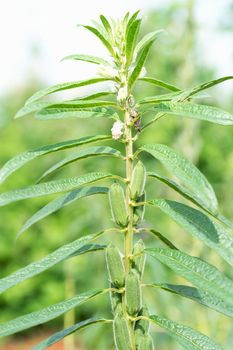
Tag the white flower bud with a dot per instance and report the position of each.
(117, 130)
(122, 94)
(106, 71)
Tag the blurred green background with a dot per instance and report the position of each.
(176, 58)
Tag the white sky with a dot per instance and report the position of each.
(52, 26)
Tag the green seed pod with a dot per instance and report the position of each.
(133, 295)
(116, 302)
(139, 212)
(118, 205)
(121, 333)
(115, 266)
(146, 343)
(138, 180)
(142, 326)
(140, 257)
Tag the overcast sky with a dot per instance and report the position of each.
(50, 26)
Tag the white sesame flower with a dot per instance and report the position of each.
(106, 71)
(143, 72)
(117, 130)
(122, 94)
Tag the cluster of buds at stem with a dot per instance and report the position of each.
(133, 112)
(117, 130)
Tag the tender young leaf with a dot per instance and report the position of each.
(189, 338)
(142, 55)
(190, 92)
(23, 158)
(106, 24)
(132, 19)
(203, 275)
(186, 172)
(84, 153)
(46, 314)
(103, 39)
(33, 269)
(197, 295)
(131, 38)
(200, 226)
(160, 83)
(51, 187)
(64, 112)
(147, 38)
(65, 86)
(196, 111)
(61, 202)
(87, 58)
(53, 339)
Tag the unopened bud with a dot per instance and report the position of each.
(117, 130)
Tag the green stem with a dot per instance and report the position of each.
(128, 244)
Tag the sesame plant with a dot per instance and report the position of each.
(198, 215)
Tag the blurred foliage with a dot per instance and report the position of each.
(174, 58)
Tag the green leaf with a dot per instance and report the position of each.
(23, 158)
(53, 339)
(131, 38)
(200, 226)
(97, 95)
(132, 19)
(162, 238)
(201, 274)
(160, 83)
(51, 187)
(185, 171)
(65, 86)
(102, 38)
(35, 268)
(157, 99)
(46, 314)
(84, 153)
(87, 58)
(106, 24)
(195, 111)
(64, 112)
(197, 295)
(142, 55)
(61, 202)
(189, 338)
(190, 92)
(147, 38)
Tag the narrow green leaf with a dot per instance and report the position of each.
(162, 238)
(87, 58)
(97, 95)
(131, 38)
(147, 38)
(190, 92)
(201, 274)
(76, 112)
(46, 188)
(35, 268)
(23, 158)
(61, 202)
(46, 314)
(106, 24)
(65, 86)
(160, 83)
(197, 295)
(195, 111)
(132, 19)
(185, 171)
(84, 153)
(103, 39)
(157, 99)
(189, 338)
(200, 226)
(142, 55)
(225, 221)
(53, 339)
